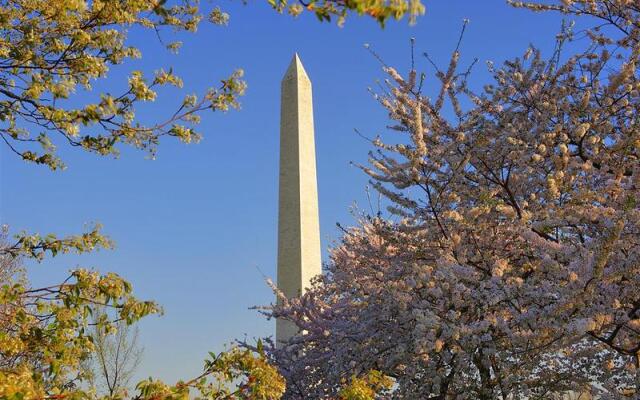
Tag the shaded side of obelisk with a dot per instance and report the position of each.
(299, 257)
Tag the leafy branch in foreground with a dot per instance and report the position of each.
(253, 376)
(50, 50)
(381, 10)
(36, 246)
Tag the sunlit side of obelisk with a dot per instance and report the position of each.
(298, 222)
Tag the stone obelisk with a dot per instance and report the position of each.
(298, 222)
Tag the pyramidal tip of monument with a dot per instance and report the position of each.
(296, 69)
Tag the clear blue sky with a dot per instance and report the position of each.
(194, 227)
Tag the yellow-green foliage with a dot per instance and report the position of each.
(381, 10)
(50, 49)
(366, 387)
(253, 376)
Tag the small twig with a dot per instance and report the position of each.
(413, 46)
(370, 50)
(465, 22)
(363, 136)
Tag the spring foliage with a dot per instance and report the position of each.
(50, 50)
(511, 266)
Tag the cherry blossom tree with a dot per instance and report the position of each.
(509, 267)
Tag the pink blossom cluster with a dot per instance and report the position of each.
(510, 265)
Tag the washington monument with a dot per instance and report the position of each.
(298, 223)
